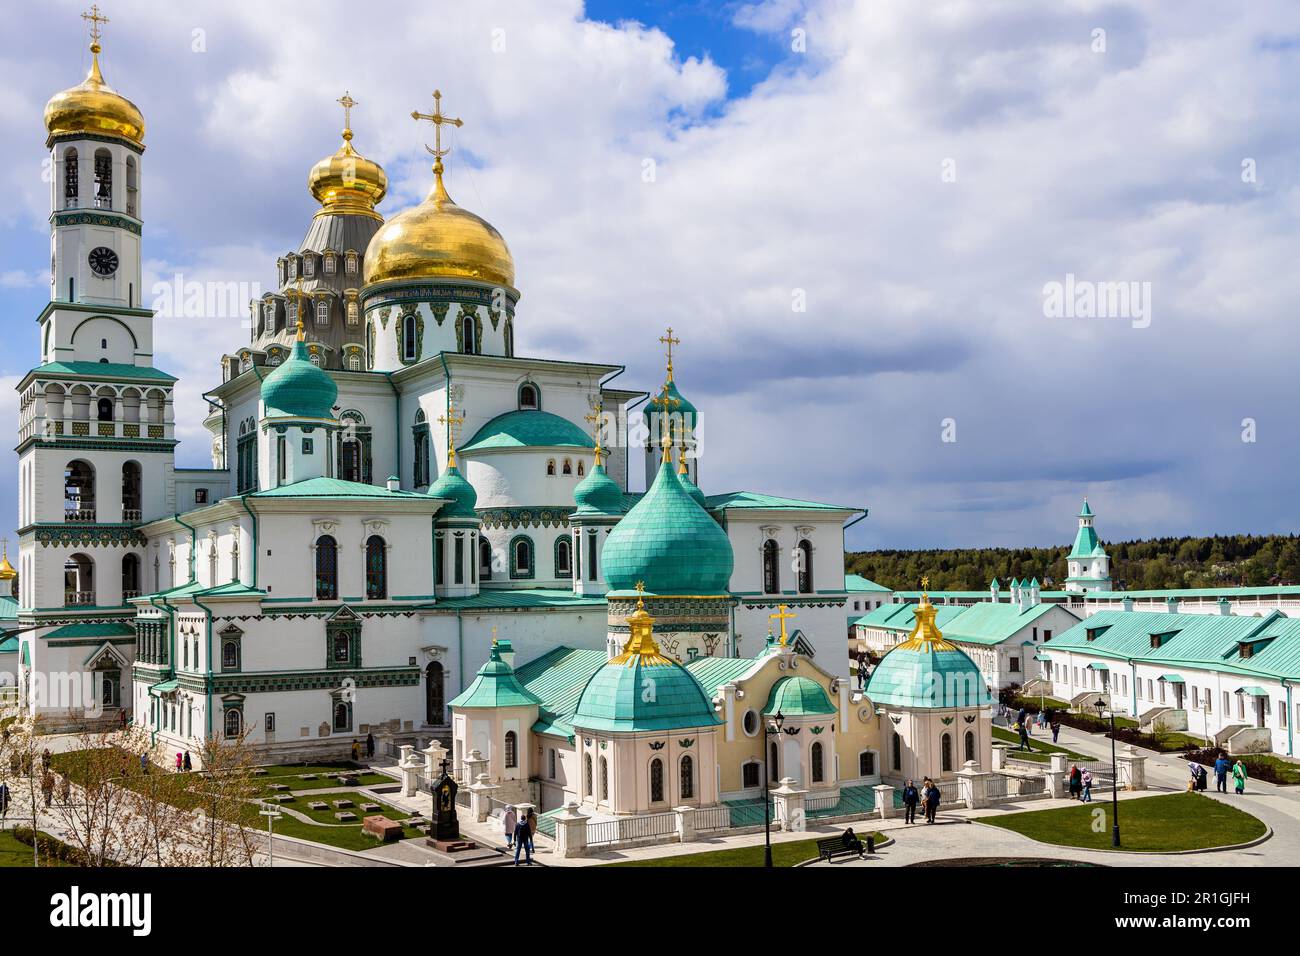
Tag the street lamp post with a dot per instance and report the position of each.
(1114, 770)
(769, 730)
(271, 815)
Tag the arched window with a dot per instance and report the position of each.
(771, 567)
(435, 711)
(688, 777)
(376, 569)
(604, 779)
(342, 716)
(132, 187)
(130, 576)
(805, 567)
(350, 459)
(78, 581)
(79, 491)
(945, 744)
(521, 557)
(528, 396)
(131, 491)
(234, 723)
(586, 770)
(420, 431)
(897, 744)
(327, 568)
(970, 745)
(484, 559)
(563, 558)
(656, 780)
(467, 335)
(229, 655)
(104, 409)
(866, 763)
(512, 749)
(71, 179)
(410, 343)
(103, 179)
(818, 764)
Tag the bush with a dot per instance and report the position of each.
(52, 848)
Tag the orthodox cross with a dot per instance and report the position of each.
(596, 417)
(95, 20)
(453, 423)
(347, 102)
(640, 595)
(438, 120)
(783, 614)
(669, 341)
(925, 583)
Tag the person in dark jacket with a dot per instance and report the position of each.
(1076, 783)
(523, 840)
(1056, 730)
(188, 764)
(932, 799)
(370, 746)
(1221, 768)
(911, 797)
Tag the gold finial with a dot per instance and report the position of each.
(640, 595)
(494, 635)
(95, 18)
(641, 647)
(438, 120)
(681, 464)
(666, 405)
(596, 417)
(669, 341)
(7, 572)
(347, 102)
(783, 614)
(453, 423)
(925, 635)
(925, 583)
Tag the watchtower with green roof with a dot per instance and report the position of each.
(1088, 565)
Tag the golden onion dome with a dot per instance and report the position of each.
(347, 183)
(7, 572)
(94, 107)
(439, 240)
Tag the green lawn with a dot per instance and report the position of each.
(344, 836)
(783, 854)
(1176, 821)
(14, 852)
(1040, 747)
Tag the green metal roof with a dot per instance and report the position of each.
(298, 389)
(1086, 545)
(104, 370)
(8, 609)
(557, 679)
(522, 599)
(988, 623)
(1085, 511)
(1172, 679)
(679, 404)
(798, 696)
(1278, 590)
(9, 645)
(105, 630)
(495, 686)
(713, 672)
(1253, 691)
(333, 488)
(163, 687)
(856, 582)
(754, 501)
(528, 429)
(668, 542)
(599, 494)
(902, 617)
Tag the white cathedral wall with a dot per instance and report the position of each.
(748, 533)
(518, 477)
(825, 628)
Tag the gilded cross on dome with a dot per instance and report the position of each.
(453, 423)
(95, 18)
(669, 341)
(347, 102)
(438, 120)
(666, 405)
(596, 418)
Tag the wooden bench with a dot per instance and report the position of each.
(842, 845)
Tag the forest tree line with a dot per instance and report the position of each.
(1183, 562)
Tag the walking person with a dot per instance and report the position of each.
(911, 797)
(356, 751)
(4, 800)
(45, 759)
(47, 788)
(65, 790)
(523, 841)
(1239, 776)
(144, 763)
(1086, 780)
(1056, 730)
(1076, 783)
(188, 764)
(370, 746)
(1024, 735)
(508, 822)
(532, 827)
(121, 719)
(1221, 768)
(180, 761)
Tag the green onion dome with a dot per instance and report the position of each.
(678, 404)
(798, 697)
(598, 494)
(927, 671)
(495, 686)
(298, 389)
(460, 494)
(668, 542)
(615, 699)
(692, 488)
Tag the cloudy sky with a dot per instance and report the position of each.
(849, 212)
